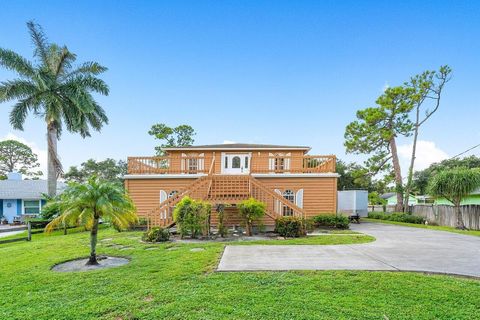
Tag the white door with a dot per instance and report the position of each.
(236, 163)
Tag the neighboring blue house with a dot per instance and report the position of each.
(20, 198)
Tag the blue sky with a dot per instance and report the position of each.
(281, 72)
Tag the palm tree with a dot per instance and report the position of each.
(55, 90)
(454, 185)
(89, 202)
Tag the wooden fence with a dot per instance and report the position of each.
(445, 215)
(440, 214)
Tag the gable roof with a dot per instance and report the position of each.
(239, 146)
(26, 189)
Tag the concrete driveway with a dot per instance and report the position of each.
(397, 248)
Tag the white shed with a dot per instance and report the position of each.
(353, 202)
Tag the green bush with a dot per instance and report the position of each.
(397, 216)
(251, 210)
(156, 235)
(332, 221)
(290, 227)
(192, 217)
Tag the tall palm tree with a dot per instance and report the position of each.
(89, 202)
(52, 88)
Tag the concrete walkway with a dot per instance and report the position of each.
(397, 248)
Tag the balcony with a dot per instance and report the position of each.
(212, 164)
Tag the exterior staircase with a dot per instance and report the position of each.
(225, 189)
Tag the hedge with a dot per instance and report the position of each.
(397, 216)
(332, 220)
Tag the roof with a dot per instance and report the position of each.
(240, 146)
(391, 194)
(387, 195)
(26, 189)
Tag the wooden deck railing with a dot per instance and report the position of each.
(169, 164)
(205, 164)
(293, 164)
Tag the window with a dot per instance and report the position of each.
(246, 162)
(236, 162)
(226, 162)
(192, 165)
(279, 164)
(290, 196)
(31, 206)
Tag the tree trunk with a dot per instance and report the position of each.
(460, 223)
(93, 243)
(52, 169)
(249, 229)
(398, 175)
(408, 188)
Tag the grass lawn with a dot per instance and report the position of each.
(441, 228)
(175, 283)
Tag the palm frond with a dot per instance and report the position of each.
(87, 68)
(39, 40)
(16, 89)
(15, 62)
(20, 110)
(81, 203)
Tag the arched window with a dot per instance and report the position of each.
(236, 162)
(290, 196)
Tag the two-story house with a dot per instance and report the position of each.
(288, 180)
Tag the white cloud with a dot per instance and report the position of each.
(426, 154)
(41, 153)
(228, 142)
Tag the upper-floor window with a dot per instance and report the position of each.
(279, 164)
(192, 165)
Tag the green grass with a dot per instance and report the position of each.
(423, 226)
(172, 282)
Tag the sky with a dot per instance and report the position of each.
(276, 72)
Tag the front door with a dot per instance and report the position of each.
(236, 163)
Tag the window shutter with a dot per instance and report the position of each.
(271, 162)
(182, 163)
(201, 162)
(163, 195)
(278, 204)
(299, 198)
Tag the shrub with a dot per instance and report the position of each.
(290, 227)
(156, 235)
(397, 216)
(222, 230)
(251, 210)
(192, 217)
(332, 220)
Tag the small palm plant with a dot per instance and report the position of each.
(455, 185)
(88, 203)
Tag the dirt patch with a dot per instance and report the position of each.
(104, 262)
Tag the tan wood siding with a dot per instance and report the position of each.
(145, 193)
(319, 193)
